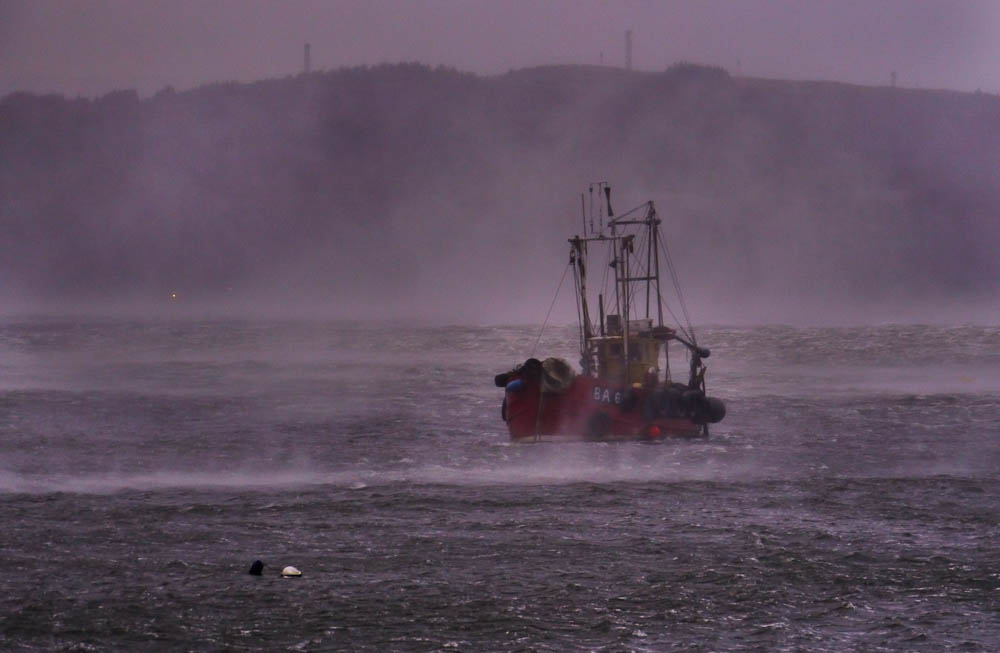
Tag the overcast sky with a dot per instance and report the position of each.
(90, 47)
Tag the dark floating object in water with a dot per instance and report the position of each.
(256, 568)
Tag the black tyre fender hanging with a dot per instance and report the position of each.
(598, 426)
(650, 409)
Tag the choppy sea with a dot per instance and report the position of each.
(849, 501)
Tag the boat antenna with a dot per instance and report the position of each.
(583, 213)
(606, 188)
(600, 207)
(592, 208)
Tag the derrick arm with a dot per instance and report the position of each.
(577, 258)
(697, 379)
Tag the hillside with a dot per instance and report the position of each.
(402, 189)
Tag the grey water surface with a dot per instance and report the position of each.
(847, 502)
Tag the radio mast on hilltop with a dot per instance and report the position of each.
(306, 63)
(628, 49)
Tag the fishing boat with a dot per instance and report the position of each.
(625, 389)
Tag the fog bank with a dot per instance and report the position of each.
(403, 190)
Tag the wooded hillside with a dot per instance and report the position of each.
(401, 185)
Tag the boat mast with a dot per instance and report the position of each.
(649, 262)
(621, 274)
(622, 248)
(577, 258)
(654, 244)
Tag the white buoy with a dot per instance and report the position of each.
(290, 571)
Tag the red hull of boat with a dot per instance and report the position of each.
(589, 409)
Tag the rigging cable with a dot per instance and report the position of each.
(622, 216)
(686, 332)
(551, 306)
(677, 288)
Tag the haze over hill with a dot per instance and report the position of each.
(404, 190)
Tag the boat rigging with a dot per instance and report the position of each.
(622, 392)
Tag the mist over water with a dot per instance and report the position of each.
(845, 502)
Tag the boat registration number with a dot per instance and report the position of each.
(607, 395)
